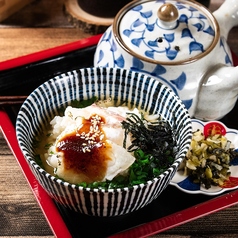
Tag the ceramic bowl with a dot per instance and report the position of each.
(137, 90)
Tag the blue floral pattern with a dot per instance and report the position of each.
(138, 34)
(192, 24)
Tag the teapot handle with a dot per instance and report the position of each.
(227, 16)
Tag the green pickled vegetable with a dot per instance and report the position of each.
(207, 162)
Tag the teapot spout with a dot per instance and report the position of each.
(227, 16)
(218, 93)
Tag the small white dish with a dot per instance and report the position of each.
(183, 183)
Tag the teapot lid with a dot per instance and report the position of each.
(166, 31)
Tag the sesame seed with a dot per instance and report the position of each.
(70, 114)
(94, 134)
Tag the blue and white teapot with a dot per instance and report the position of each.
(180, 43)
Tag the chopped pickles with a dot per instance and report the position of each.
(207, 162)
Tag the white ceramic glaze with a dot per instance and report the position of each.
(183, 52)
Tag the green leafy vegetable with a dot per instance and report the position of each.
(207, 162)
(78, 104)
(38, 160)
(84, 103)
(47, 146)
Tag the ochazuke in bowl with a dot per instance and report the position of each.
(123, 87)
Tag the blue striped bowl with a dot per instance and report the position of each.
(137, 90)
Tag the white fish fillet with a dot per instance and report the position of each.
(120, 158)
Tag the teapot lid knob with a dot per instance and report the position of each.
(168, 15)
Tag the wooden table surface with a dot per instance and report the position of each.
(42, 25)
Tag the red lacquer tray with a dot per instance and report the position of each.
(162, 214)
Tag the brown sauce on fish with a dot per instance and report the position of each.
(85, 150)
